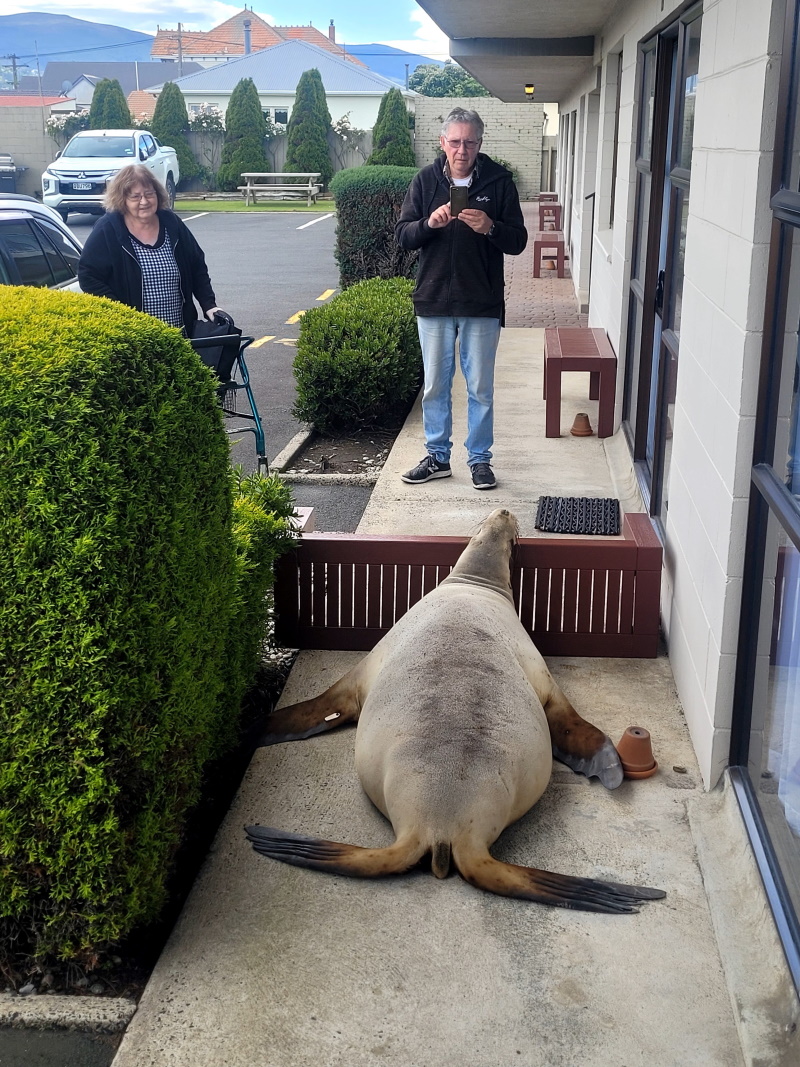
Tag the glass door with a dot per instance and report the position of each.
(669, 66)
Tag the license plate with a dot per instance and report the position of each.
(82, 187)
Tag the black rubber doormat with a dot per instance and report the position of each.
(578, 515)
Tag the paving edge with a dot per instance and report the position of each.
(103, 1015)
(283, 461)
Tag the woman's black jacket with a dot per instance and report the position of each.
(109, 267)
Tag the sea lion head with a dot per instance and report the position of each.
(487, 558)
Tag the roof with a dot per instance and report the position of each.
(227, 39)
(389, 61)
(129, 75)
(28, 100)
(141, 104)
(278, 70)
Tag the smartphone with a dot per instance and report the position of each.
(459, 199)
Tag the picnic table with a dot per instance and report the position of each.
(300, 183)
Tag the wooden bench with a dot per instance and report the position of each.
(548, 239)
(305, 183)
(549, 215)
(571, 348)
(576, 596)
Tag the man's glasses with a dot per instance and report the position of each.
(134, 197)
(469, 145)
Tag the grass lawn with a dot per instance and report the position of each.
(239, 205)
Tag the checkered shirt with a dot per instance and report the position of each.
(161, 280)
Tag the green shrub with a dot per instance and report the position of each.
(170, 124)
(245, 130)
(391, 137)
(368, 202)
(130, 584)
(109, 109)
(358, 361)
(308, 127)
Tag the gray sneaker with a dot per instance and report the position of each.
(426, 470)
(483, 477)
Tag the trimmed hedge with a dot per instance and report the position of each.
(131, 592)
(358, 361)
(368, 202)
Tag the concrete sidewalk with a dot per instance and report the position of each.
(274, 966)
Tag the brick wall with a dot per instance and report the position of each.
(513, 133)
(23, 137)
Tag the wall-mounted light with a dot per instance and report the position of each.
(529, 91)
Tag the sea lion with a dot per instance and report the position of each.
(458, 718)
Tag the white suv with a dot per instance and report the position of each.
(36, 247)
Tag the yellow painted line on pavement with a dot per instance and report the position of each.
(262, 341)
(290, 341)
(295, 318)
(327, 294)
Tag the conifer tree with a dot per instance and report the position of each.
(245, 129)
(307, 132)
(391, 138)
(109, 110)
(171, 125)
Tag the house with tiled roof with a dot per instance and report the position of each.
(243, 33)
(141, 105)
(350, 90)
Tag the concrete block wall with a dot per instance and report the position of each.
(24, 137)
(513, 132)
(723, 303)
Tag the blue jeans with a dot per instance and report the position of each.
(477, 345)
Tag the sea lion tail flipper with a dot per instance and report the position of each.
(480, 869)
(336, 706)
(334, 856)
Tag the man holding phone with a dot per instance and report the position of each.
(462, 213)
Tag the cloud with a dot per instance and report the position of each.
(428, 39)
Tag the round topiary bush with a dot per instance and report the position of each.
(358, 361)
(122, 575)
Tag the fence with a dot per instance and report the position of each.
(575, 597)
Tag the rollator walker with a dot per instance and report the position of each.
(222, 350)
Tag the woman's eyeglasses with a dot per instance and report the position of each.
(135, 197)
(467, 144)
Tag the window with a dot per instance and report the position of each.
(267, 113)
(26, 253)
(281, 116)
(62, 255)
(765, 736)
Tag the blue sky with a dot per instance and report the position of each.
(400, 22)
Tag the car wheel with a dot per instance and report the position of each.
(171, 190)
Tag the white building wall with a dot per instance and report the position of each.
(722, 318)
(362, 108)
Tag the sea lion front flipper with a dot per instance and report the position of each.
(579, 744)
(338, 705)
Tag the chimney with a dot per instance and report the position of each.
(246, 37)
(332, 32)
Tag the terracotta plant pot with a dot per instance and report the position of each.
(636, 753)
(581, 427)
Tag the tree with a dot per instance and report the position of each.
(391, 139)
(307, 132)
(170, 125)
(245, 129)
(449, 80)
(109, 110)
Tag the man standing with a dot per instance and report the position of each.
(459, 293)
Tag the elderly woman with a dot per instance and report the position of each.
(140, 253)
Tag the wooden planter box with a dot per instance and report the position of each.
(575, 596)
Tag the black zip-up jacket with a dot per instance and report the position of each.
(108, 265)
(460, 272)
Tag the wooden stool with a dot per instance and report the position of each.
(549, 213)
(569, 348)
(550, 239)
